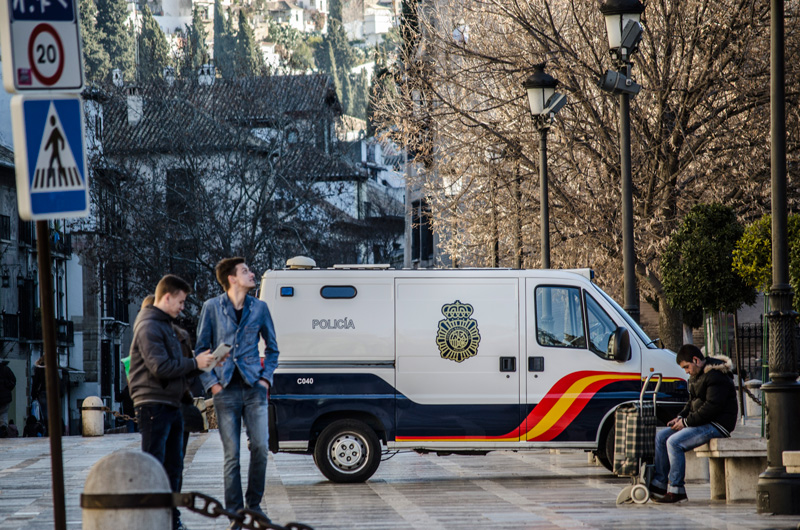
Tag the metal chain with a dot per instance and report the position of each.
(752, 396)
(211, 507)
(125, 417)
(114, 413)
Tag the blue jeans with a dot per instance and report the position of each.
(233, 403)
(162, 436)
(671, 446)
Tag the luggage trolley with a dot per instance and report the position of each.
(635, 444)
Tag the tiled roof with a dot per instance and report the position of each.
(215, 117)
(281, 5)
(208, 119)
(167, 125)
(6, 157)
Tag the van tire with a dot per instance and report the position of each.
(605, 453)
(347, 451)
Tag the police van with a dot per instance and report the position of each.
(452, 361)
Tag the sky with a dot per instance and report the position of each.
(6, 137)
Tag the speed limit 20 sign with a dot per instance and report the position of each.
(41, 48)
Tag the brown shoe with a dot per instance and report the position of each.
(671, 498)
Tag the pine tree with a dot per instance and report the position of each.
(153, 49)
(249, 61)
(335, 56)
(335, 10)
(96, 64)
(224, 42)
(346, 93)
(117, 38)
(195, 51)
(361, 90)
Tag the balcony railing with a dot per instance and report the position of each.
(61, 243)
(65, 332)
(9, 326)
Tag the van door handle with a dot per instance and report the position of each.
(508, 364)
(536, 364)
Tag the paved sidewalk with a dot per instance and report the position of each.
(503, 490)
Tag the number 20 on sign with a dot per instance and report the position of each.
(41, 46)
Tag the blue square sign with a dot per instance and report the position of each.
(50, 158)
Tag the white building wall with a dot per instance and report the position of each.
(377, 22)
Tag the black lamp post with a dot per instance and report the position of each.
(779, 491)
(624, 34)
(545, 102)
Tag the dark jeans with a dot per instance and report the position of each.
(162, 436)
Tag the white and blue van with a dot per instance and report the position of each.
(449, 361)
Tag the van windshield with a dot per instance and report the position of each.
(631, 323)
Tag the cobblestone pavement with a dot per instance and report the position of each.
(503, 490)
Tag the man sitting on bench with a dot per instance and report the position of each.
(710, 413)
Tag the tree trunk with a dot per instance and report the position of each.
(670, 324)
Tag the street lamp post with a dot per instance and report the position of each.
(544, 102)
(624, 33)
(778, 492)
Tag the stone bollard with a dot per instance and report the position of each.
(125, 473)
(93, 415)
(752, 408)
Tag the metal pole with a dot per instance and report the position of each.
(779, 491)
(51, 372)
(737, 346)
(543, 196)
(628, 251)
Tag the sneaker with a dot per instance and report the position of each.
(671, 498)
(655, 490)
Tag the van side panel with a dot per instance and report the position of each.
(303, 395)
(337, 354)
(310, 327)
(453, 337)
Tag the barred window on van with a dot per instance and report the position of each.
(338, 291)
(559, 317)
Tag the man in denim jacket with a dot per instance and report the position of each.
(240, 384)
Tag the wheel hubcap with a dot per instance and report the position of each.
(348, 452)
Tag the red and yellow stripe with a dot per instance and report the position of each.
(553, 414)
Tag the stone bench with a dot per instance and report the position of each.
(734, 465)
(791, 459)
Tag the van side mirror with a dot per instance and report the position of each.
(619, 345)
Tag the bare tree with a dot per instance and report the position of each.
(700, 127)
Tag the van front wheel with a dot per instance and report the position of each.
(347, 451)
(605, 453)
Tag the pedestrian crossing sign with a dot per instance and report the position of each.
(49, 156)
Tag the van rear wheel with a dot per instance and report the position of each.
(347, 451)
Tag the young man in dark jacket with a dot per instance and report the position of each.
(710, 413)
(157, 379)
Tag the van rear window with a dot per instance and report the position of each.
(338, 291)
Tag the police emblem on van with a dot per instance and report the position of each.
(458, 336)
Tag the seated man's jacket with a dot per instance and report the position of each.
(712, 397)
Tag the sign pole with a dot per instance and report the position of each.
(51, 373)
